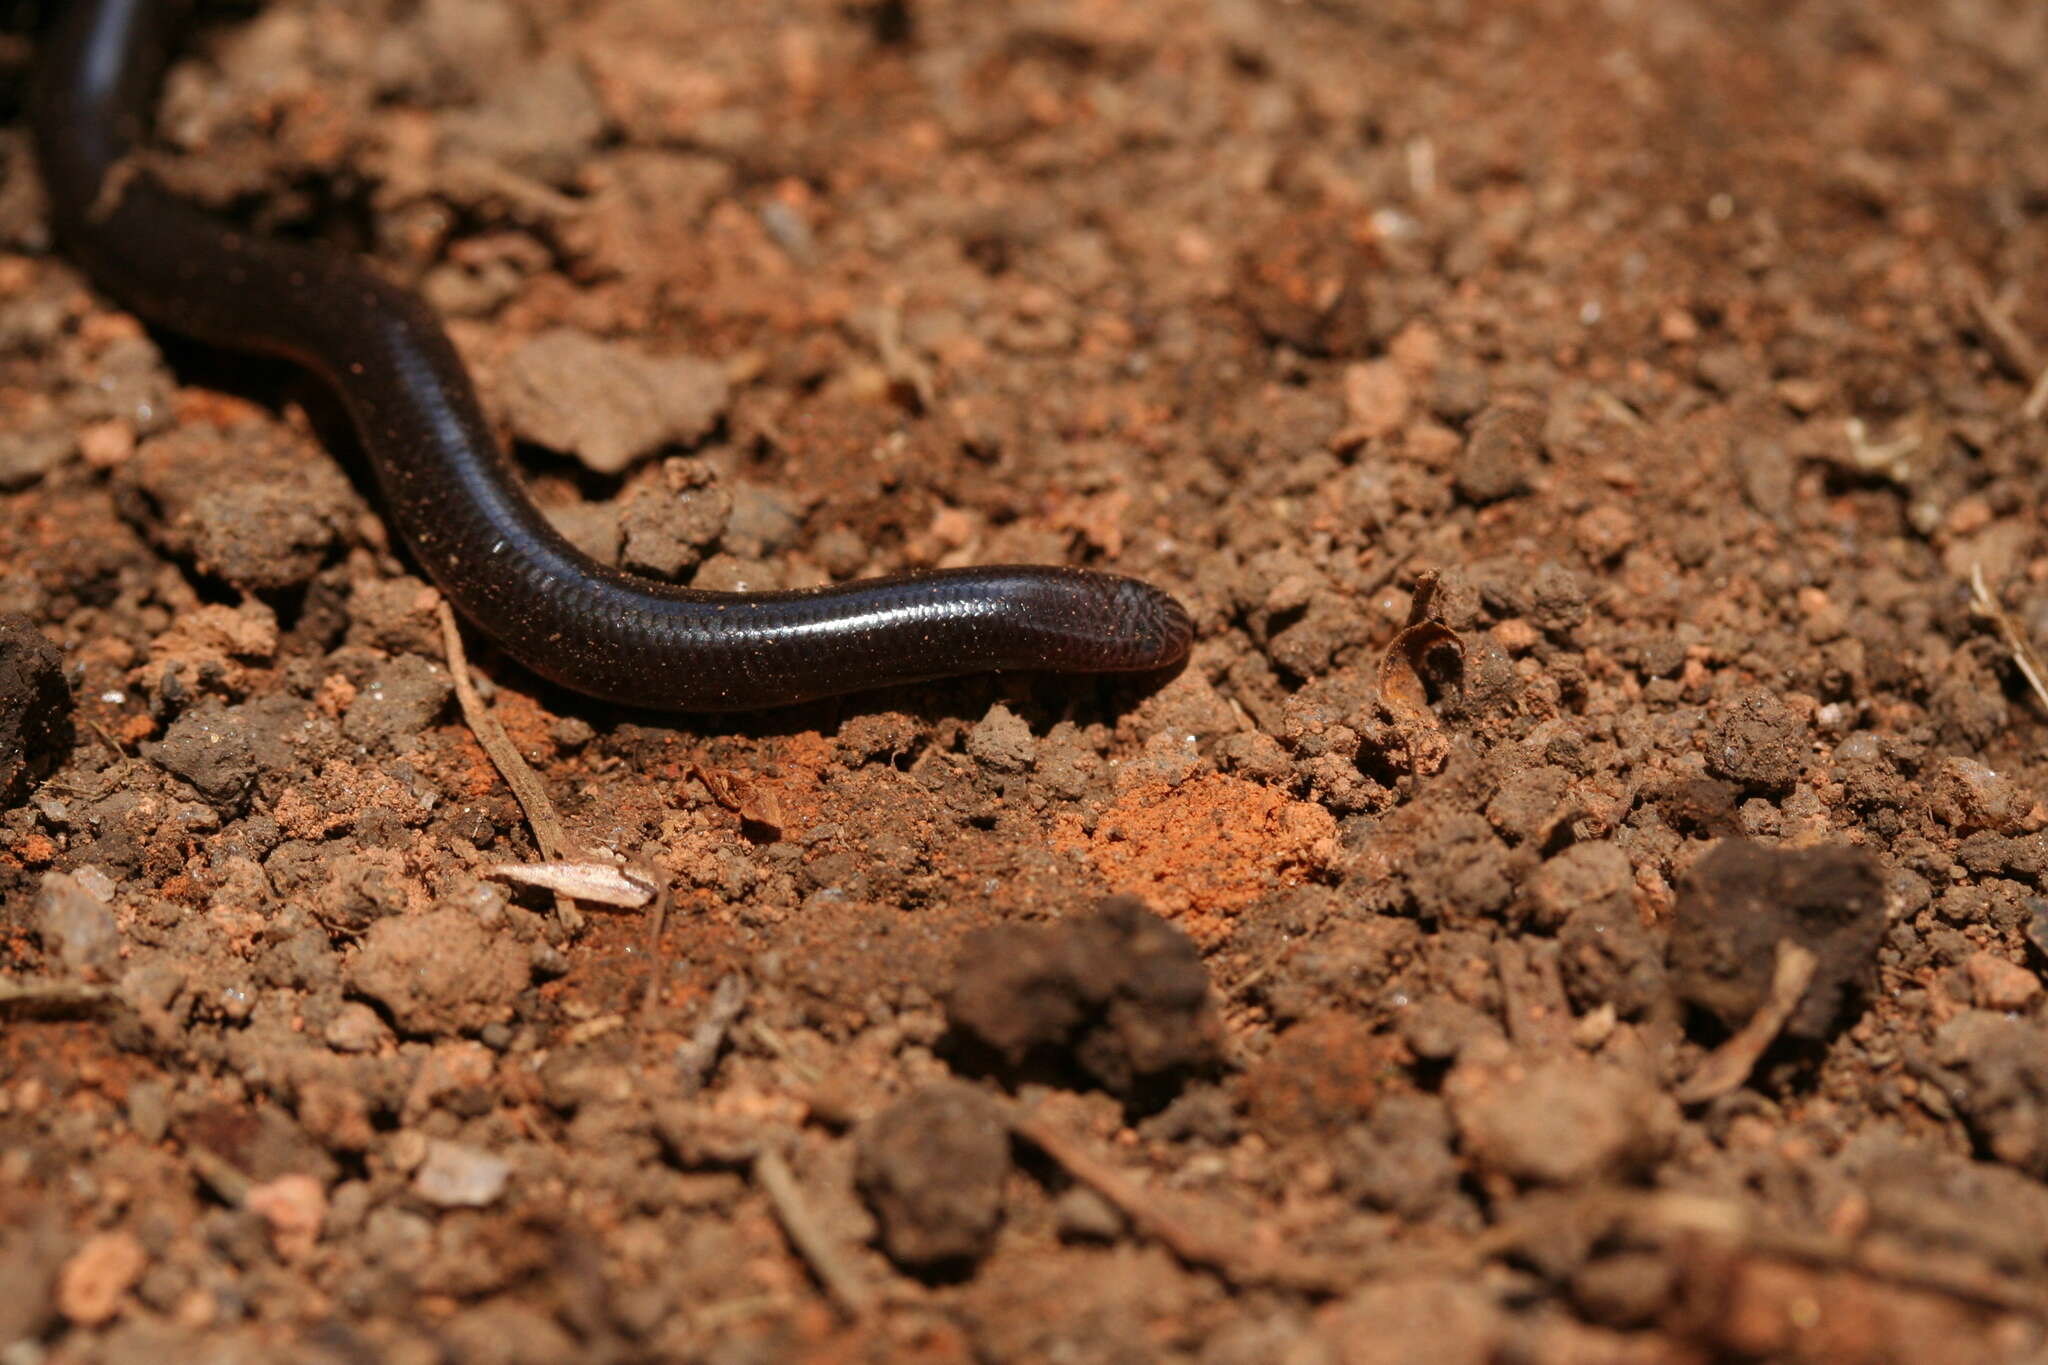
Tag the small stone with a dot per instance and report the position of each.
(150, 989)
(840, 551)
(1322, 1075)
(1517, 636)
(1677, 326)
(163, 1286)
(335, 1115)
(1120, 993)
(763, 521)
(538, 121)
(1411, 1319)
(398, 1237)
(1377, 399)
(355, 1027)
(455, 1175)
(107, 443)
(396, 615)
(1605, 533)
(1995, 1070)
(406, 1150)
(571, 732)
(671, 520)
(248, 503)
(1500, 454)
(98, 1276)
(211, 748)
(605, 403)
(1082, 1215)
(401, 699)
(1002, 741)
(1437, 1028)
(1302, 282)
(698, 1139)
(149, 1109)
(77, 926)
(1590, 876)
(27, 455)
(463, 1068)
(1965, 795)
(294, 1207)
(1997, 984)
(96, 883)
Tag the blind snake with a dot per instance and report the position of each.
(450, 488)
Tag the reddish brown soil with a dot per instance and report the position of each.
(1690, 345)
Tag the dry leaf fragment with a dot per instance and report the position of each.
(599, 883)
(1425, 656)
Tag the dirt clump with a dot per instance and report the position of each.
(1557, 1122)
(1117, 993)
(35, 707)
(932, 1167)
(1743, 899)
(439, 972)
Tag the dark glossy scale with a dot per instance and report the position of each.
(453, 493)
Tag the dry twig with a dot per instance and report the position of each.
(504, 754)
(824, 1256)
(1729, 1065)
(2037, 399)
(227, 1182)
(1668, 1214)
(696, 1057)
(53, 996)
(1232, 1257)
(2010, 347)
(2023, 654)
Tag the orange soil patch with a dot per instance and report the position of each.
(1203, 851)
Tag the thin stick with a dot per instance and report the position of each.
(1229, 1257)
(229, 1184)
(54, 995)
(518, 774)
(1729, 1065)
(656, 965)
(1667, 1214)
(811, 1241)
(2022, 651)
(697, 1056)
(2037, 399)
(2011, 347)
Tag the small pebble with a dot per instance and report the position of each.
(149, 1110)
(356, 1027)
(294, 1206)
(457, 1176)
(98, 1276)
(1997, 984)
(1002, 741)
(606, 403)
(1082, 1215)
(77, 926)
